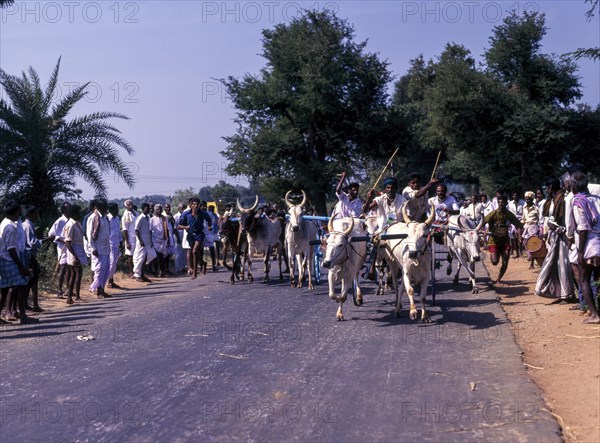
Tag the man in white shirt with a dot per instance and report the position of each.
(474, 210)
(14, 273)
(486, 205)
(348, 205)
(114, 228)
(531, 222)
(98, 234)
(516, 207)
(55, 233)
(159, 231)
(388, 207)
(143, 245)
(417, 197)
(540, 203)
(128, 230)
(444, 205)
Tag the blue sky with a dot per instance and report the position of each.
(157, 61)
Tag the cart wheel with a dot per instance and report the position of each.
(317, 266)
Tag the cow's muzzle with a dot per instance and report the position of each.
(413, 254)
(327, 264)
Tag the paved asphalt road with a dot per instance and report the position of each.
(207, 361)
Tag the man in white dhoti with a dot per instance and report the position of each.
(128, 231)
(56, 234)
(76, 258)
(143, 252)
(530, 219)
(160, 239)
(114, 225)
(98, 234)
(555, 279)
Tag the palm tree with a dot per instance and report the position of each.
(6, 3)
(42, 153)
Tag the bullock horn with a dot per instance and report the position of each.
(242, 209)
(287, 202)
(253, 208)
(330, 224)
(350, 228)
(431, 218)
(480, 224)
(303, 198)
(405, 216)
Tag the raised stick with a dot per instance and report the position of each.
(436, 165)
(385, 168)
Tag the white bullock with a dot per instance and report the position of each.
(413, 256)
(263, 235)
(298, 233)
(463, 242)
(343, 258)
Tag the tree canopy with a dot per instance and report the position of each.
(507, 124)
(319, 105)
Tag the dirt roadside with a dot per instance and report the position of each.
(562, 355)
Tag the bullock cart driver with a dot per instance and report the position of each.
(444, 206)
(193, 222)
(499, 221)
(349, 205)
(388, 207)
(417, 197)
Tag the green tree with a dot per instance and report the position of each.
(411, 118)
(505, 124)
(224, 192)
(317, 107)
(4, 3)
(184, 195)
(42, 153)
(514, 57)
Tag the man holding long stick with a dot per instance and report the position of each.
(389, 210)
(417, 208)
(388, 205)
